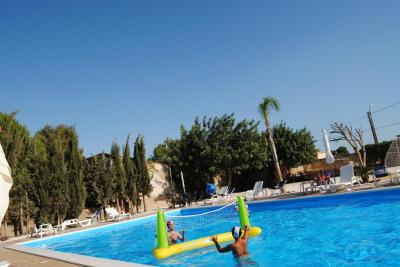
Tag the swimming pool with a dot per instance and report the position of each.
(356, 229)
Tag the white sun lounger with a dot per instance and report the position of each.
(96, 215)
(276, 190)
(73, 223)
(223, 192)
(67, 223)
(223, 195)
(347, 177)
(313, 187)
(256, 192)
(114, 215)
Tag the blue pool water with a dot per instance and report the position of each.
(356, 229)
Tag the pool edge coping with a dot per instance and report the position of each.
(73, 258)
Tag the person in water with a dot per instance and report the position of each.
(239, 247)
(174, 236)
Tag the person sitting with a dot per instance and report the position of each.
(328, 178)
(317, 180)
(173, 235)
(239, 247)
(323, 178)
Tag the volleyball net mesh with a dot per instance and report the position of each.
(225, 214)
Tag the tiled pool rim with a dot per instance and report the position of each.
(102, 262)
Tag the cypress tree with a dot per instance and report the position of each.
(140, 163)
(59, 189)
(136, 171)
(131, 178)
(77, 190)
(105, 179)
(137, 192)
(93, 180)
(119, 177)
(53, 187)
(41, 179)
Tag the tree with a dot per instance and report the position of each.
(106, 180)
(100, 180)
(234, 147)
(354, 137)
(74, 168)
(41, 179)
(92, 180)
(295, 147)
(169, 152)
(220, 146)
(194, 158)
(377, 152)
(130, 176)
(57, 168)
(214, 146)
(136, 178)
(16, 142)
(342, 150)
(140, 165)
(55, 187)
(59, 189)
(270, 103)
(119, 177)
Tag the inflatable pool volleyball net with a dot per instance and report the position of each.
(233, 212)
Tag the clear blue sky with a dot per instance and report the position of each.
(113, 68)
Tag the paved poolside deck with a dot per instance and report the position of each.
(17, 259)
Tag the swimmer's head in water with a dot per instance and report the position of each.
(236, 232)
(170, 224)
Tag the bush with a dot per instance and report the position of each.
(363, 172)
(376, 153)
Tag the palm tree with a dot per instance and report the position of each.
(270, 103)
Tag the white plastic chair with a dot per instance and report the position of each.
(43, 229)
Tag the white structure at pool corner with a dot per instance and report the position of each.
(5, 183)
(329, 157)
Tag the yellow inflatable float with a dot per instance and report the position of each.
(164, 250)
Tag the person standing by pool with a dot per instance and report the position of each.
(239, 247)
(173, 235)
